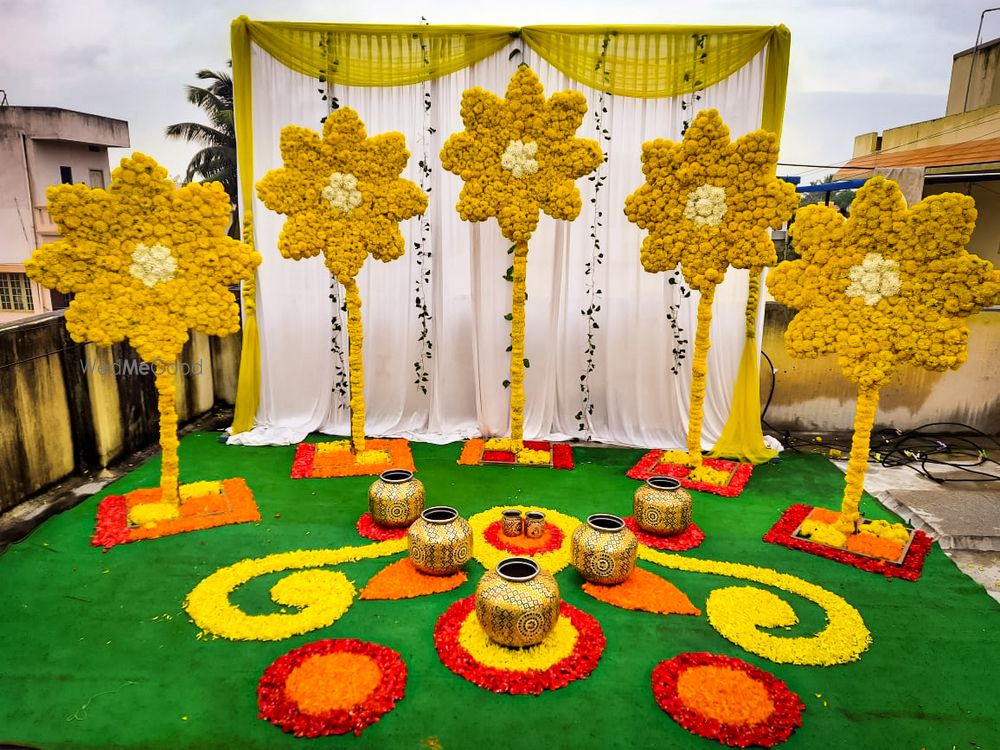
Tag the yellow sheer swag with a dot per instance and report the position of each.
(637, 61)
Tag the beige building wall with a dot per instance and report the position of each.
(48, 156)
(17, 233)
(35, 142)
(812, 395)
(941, 131)
(983, 88)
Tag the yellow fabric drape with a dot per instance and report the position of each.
(637, 61)
(742, 437)
(248, 383)
(779, 51)
(640, 61)
(648, 61)
(375, 54)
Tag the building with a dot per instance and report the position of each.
(959, 152)
(42, 146)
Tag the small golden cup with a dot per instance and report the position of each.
(534, 524)
(510, 522)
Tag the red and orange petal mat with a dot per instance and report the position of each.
(583, 652)
(331, 687)
(727, 700)
(474, 453)
(551, 539)
(235, 504)
(651, 466)
(644, 591)
(368, 529)
(311, 462)
(909, 570)
(400, 580)
(690, 538)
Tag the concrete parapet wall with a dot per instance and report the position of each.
(67, 407)
(811, 395)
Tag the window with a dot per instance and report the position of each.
(59, 300)
(66, 175)
(15, 292)
(97, 178)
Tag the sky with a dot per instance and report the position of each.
(857, 65)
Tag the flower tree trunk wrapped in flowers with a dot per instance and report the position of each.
(343, 197)
(146, 261)
(518, 156)
(890, 285)
(708, 203)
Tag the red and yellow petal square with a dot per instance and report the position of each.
(475, 453)
(909, 569)
(204, 505)
(651, 465)
(329, 459)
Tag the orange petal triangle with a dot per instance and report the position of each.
(644, 591)
(400, 580)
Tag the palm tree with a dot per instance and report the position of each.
(216, 161)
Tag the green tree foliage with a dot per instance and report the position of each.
(216, 160)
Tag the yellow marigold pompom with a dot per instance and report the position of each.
(708, 202)
(342, 193)
(888, 286)
(146, 261)
(520, 155)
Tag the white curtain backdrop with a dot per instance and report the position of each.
(636, 399)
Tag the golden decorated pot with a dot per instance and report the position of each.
(662, 506)
(511, 522)
(517, 604)
(440, 541)
(603, 549)
(534, 524)
(396, 499)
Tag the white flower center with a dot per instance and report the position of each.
(706, 205)
(519, 158)
(342, 193)
(874, 278)
(151, 265)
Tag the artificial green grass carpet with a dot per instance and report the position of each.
(96, 650)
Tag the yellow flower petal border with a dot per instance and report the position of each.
(322, 596)
(551, 562)
(558, 645)
(739, 612)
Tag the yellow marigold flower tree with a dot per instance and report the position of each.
(146, 261)
(708, 204)
(891, 285)
(343, 197)
(519, 156)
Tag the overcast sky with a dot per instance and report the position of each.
(857, 65)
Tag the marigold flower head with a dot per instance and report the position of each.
(888, 286)
(146, 260)
(519, 155)
(708, 202)
(342, 193)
